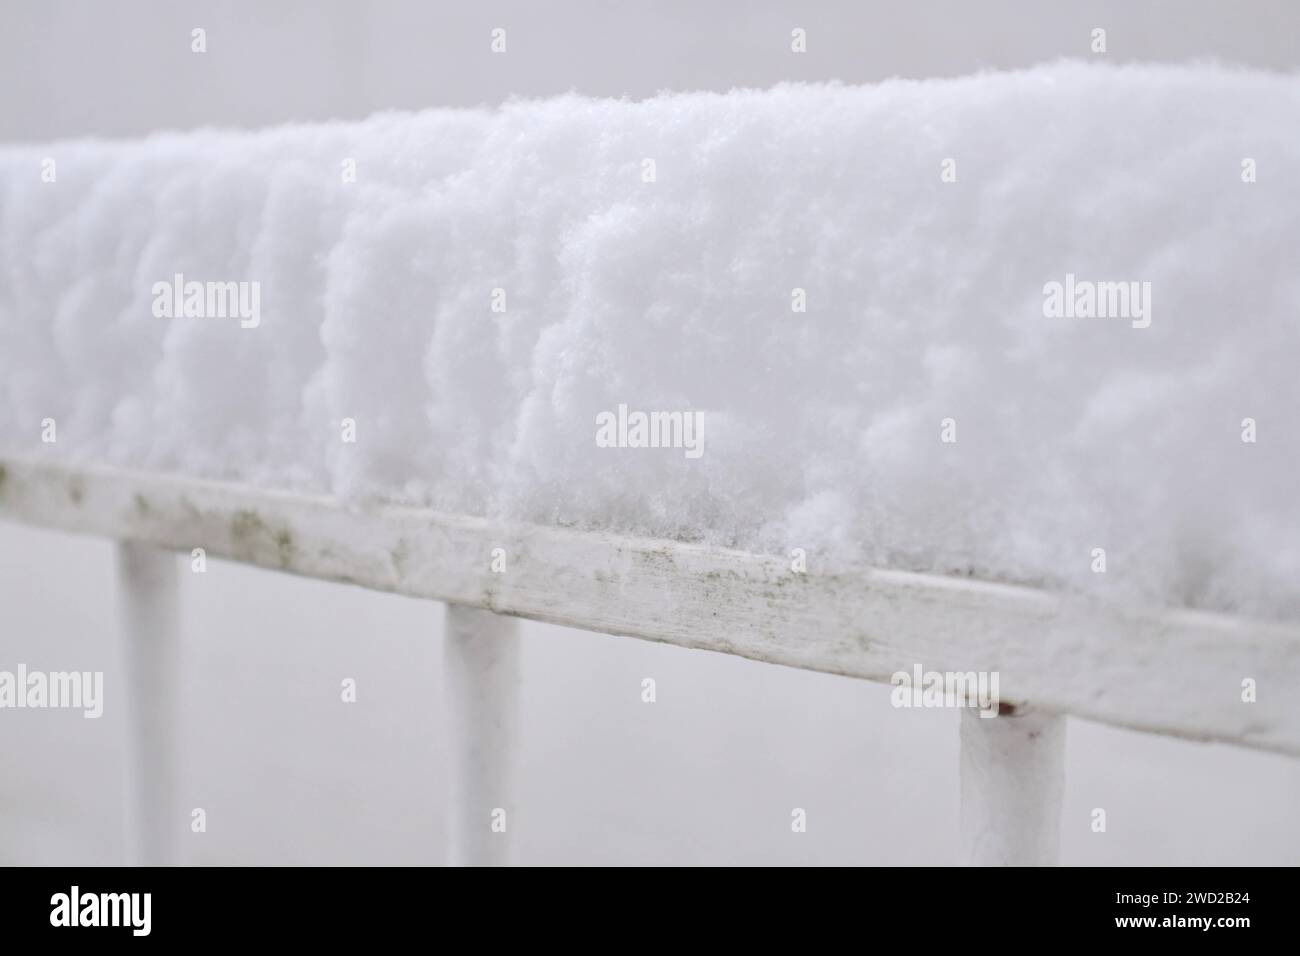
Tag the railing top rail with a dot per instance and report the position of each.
(1173, 672)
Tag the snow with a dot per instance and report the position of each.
(821, 429)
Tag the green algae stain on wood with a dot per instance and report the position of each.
(254, 538)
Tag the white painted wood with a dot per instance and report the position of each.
(149, 614)
(481, 665)
(1165, 671)
(1012, 786)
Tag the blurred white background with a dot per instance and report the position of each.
(288, 773)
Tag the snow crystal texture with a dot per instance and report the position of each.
(821, 429)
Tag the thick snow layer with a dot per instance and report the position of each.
(821, 429)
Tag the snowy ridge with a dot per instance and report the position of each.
(821, 429)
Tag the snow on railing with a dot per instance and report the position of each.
(1170, 672)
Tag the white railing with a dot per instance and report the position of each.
(1170, 672)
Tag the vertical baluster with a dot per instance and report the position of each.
(147, 587)
(1012, 783)
(481, 655)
